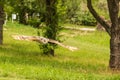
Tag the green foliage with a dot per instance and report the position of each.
(8, 10)
(61, 10)
(77, 12)
(34, 22)
(88, 19)
(70, 11)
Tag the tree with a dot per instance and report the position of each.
(23, 9)
(113, 30)
(22, 12)
(1, 21)
(52, 28)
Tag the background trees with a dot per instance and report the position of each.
(70, 11)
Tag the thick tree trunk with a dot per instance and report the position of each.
(113, 6)
(1, 23)
(115, 51)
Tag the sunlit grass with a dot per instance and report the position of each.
(22, 60)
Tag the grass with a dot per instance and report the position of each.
(22, 60)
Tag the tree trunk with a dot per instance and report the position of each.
(22, 13)
(1, 23)
(52, 26)
(113, 6)
(23, 16)
(113, 31)
(115, 50)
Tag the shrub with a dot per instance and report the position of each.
(34, 22)
(88, 19)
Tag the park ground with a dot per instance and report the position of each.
(23, 60)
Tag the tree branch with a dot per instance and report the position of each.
(98, 18)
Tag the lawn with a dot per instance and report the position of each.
(23, 60)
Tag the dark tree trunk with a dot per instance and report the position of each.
(1, 23)
(51, 20)
(113, 6)
(113, 31)
(114, 62)
(22, 13)
(23, 16)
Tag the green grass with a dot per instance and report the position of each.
(23, 60)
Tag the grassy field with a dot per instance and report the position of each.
(23, 60)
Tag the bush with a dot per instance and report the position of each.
(34, 22)
(83, 18)
(88, 19)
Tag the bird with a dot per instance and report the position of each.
(42, 40)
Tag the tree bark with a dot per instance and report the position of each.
(114, 62)
(1, 23)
